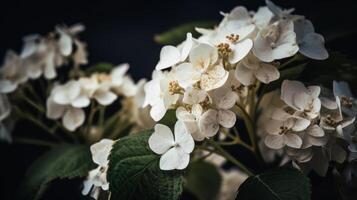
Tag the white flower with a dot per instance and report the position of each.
(67, 37)
(209, 121)
(12, 73)
(98, 86)
(202, 68)
(118, 74)
(304, 100)
(234, 30)
(160, 93)
(97, 178)
(175, 149)
(276, 41)
(231, 180)
(190, 118)
(282, 130)
(343, 95)
(170, 55)
(311, 44)
(251, 68)
(279, 12)
(262, 17)
(66, 102)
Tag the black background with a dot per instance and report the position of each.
(122, 31)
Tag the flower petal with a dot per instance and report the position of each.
(313, 46)
(292, 140)
(170, 160)
(208, 123)
(274, 141)
(226, 118)
(240, 50)
(54, 110)
(162, 139)
(158, 111)
(244, 74)
(183, 138)
(169, 56)
(187, 75)
(105, 97)
(267, 73)
(7, 86)
(73, 118)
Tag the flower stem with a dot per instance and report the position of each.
(30, 141)
(230, 158)
(248, 123)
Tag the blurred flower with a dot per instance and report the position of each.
(66, 102)
(175, 149)
(97, 178)
(12, 73)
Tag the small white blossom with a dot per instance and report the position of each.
(175, 149)
(97, 178)
(66, 102)
(12, 73)
(251, 68)
(202, 68)
(311, 44)
(276, 41)
(159, 94)
(303, 99)
(170, 55)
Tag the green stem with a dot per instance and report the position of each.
(230, 158)
(37, 122)
(248, 123)
(30, 141)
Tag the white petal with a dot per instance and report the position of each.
(316, 131)
(184, 160)
(227, 100)
(208, 123)
(66, 93)
(73, 118)
(105, 97)
(100, 151)
(313, 46)
(186, 47)
(81, 101)
(203, 55)
(170, 160)
(244, 74)
(169, 56)
(226, 118)
(187, 75)
(161, 140)
(301, 124)
(7, 86)
(274, 141)
(158, 111)
(54, 110)
(194, 96)
(292, 140)
(329, 104)
(65, 44)
(214, 78)
(50, 68)
(267, 73)
(117, 74)
(183, 138)
(240, 50)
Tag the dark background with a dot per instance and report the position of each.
(122, 31)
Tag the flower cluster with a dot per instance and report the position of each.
(310, 125)
(204, 79)
(41, 56)
(68, 100)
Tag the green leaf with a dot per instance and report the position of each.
(203, 180)
(178, 34)
(169, 119)
(276, 184)
(337, 67)
(289, 73)
(134, 172)
(65, 161)
(101, 67)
